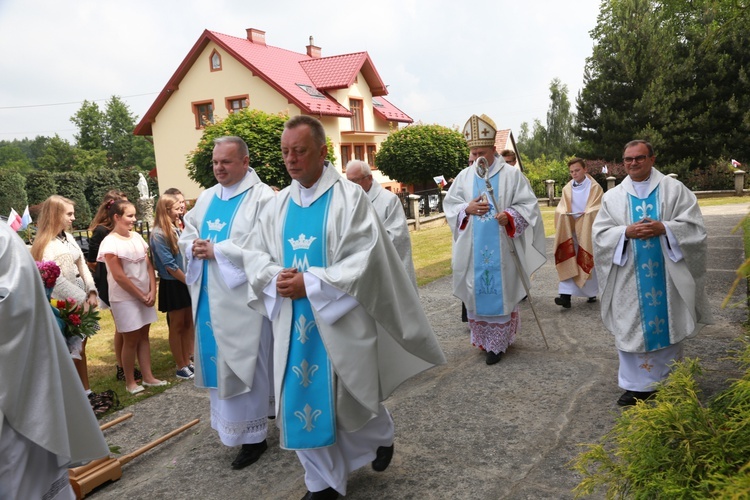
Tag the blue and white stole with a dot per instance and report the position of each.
(308, 408)
(217, 223)
(650, 275)
(488, 278)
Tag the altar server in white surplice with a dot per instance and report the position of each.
(46, 422)
(348, 324)
(233, 344)
(574, 254)
(389, 209)
(650, 257)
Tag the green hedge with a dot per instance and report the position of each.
(12, 192)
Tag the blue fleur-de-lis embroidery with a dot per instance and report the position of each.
(651, 267)
(648, 243)
(654, 294)
(656, 324)
(487, 255)
(644, 209)
(307, 417)
(305, 372)
(304, 326)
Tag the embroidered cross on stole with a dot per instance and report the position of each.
(650, 275)
(488, 278)
(217, 223)
(307, 397)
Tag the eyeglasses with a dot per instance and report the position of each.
(634, 159)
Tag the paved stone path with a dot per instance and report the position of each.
(465, 429)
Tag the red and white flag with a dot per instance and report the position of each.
(25, 218)
(14, 220)
(440, 180)
(735, 163)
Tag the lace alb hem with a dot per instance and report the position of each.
(495, 337)
(239, 432)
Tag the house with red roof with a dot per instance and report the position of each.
(222, 74)
(504, 140)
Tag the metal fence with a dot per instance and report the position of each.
(430, 201)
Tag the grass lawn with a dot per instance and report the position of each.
(431, 250)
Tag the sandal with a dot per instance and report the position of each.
(103, 402)
(121, 373)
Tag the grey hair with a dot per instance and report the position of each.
(364, 168)
(233, 139)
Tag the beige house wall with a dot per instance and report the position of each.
(360, 90)
(174, 132)
(175, 135)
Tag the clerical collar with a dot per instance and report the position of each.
(228, 191)
(306, 194)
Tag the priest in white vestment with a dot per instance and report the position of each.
(389, 209)
(46, 422)
(485, 276)
(348, 325)
(234, 344)
(574, 253)
(650, 255)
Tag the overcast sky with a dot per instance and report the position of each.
(442, 60)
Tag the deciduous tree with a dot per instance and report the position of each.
(417, 153)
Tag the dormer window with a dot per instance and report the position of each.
(312, 91)
(215, 61)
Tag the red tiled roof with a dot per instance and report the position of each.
(285, 70)
(389, 112)
(501, 139)
(339, 72)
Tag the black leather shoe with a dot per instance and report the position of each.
(563, 300)
(591, 300)
(493, 358)
(326, 494)
(382, 458)
(630, 397)
(249, 454)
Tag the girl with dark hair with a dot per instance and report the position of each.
(100, 227)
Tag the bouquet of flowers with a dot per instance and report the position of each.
(75, 321)
(78, 321)
(50, 272)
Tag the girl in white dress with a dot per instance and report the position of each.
(132, 292)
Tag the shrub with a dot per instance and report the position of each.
(71, 185)
(40, 185)
(262, 133)
(12, 192)
(676, 446)
(417, 153)
(719, 175)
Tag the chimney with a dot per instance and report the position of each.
(312, 50)
(256, 36)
